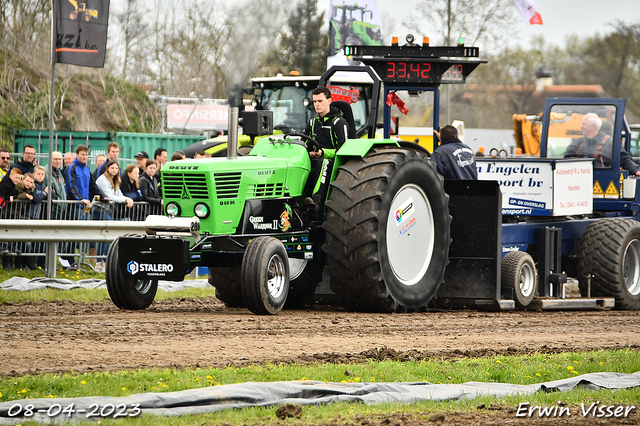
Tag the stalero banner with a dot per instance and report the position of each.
(81, 32)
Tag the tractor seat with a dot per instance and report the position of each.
(347, 114)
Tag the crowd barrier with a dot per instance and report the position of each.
(31, 254)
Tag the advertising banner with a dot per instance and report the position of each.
(81, 32)
(201, 117)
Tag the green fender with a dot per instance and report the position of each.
(356, 148)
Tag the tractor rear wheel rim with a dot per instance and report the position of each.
(631, 267)
(276, 281)
(527, 280)
(410, 234)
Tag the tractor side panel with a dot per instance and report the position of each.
(476, 233)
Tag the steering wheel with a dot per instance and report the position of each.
(312, 144)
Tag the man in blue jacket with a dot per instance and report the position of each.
(78, 182)
(454, 160)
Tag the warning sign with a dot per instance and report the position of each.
(611, 191)
(597, 190)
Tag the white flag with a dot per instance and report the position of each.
(528, 10)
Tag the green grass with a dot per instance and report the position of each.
(529, 369)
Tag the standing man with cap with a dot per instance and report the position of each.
(141, 160)
(4, 162)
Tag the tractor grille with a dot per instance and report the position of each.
(184, 186)
(265, 190)
(227, 184)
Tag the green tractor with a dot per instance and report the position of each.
(348, 26)
(382, 239)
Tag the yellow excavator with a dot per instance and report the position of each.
(527, 129)
(82, 9)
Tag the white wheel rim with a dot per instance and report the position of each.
(631, 267)
(296, 267)
(410, 234)
(526, 279)
(276, 276)
(143, 286)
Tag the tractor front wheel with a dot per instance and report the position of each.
(265, 276)
(226, 281)
(127, 293)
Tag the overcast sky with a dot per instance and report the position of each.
(561, 17)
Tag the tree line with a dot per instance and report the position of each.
(203, 47)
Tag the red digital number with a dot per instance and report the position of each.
(391, 70)
(426, 69)
(414, 69)
(402, 70)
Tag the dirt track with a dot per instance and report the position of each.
(63, 335)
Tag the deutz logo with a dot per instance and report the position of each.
(185, 192)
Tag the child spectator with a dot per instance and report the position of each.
(8, 189)
(39, 192)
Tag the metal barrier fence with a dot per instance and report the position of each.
(31, 254)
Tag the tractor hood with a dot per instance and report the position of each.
(272, 170)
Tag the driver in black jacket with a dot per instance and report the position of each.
(329, 129)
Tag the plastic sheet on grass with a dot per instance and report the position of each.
(25, 284)
(217, 398)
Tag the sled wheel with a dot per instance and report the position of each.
(227, 284)
(265, 276)
(519, 273)
(387, 225)
(127, 293)
(610, 253)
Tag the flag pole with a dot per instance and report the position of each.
(50, 266)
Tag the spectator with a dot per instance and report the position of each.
(27, 162)
(39, 195)
(4, 162)
(149, 185)
(178, 155)
(100, 159)
(8, 189)
(68, 159)
(113, 152)
(129, 185)
(25, 187)
(78, 182)
(454, 159)
(141, 161)
(160, 156)
(109, 185)
(56, 186)
(200, 154)
(40, 191)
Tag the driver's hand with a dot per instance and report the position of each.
(316, 154)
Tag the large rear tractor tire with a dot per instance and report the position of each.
(610, 253)
(387, 231)
(227, 284)
(127, 293)
(265, 276)
(518, 272)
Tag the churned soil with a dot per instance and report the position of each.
(59, 336)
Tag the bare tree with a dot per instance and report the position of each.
(134, 32)
(477, 21)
